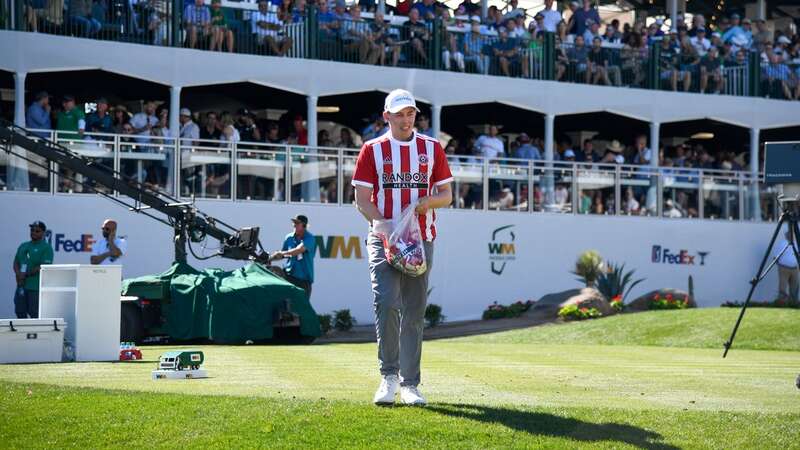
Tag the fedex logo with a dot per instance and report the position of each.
(60, 242)
(661, 255)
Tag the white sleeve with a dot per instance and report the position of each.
(122, 245)
(96, 247)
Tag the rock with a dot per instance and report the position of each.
(640, 304)
(586, 297)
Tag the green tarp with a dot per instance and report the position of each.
(224, 306)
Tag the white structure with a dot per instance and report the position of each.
(87, 297)
(31, 340)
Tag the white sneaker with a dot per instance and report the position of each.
(410, 395)
(387, 390)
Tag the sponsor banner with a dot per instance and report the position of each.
(479, 257)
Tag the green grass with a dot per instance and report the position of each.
(761, 329)
(499, 391)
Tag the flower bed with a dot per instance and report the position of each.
(668, 301)
(574, 312)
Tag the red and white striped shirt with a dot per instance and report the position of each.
(400, 173)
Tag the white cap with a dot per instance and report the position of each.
(568, 153)
(620, 159)
(399, 99)
(185, 112)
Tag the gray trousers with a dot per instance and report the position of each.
(788, 282)
(399, 301)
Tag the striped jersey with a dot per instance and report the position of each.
(400, 173)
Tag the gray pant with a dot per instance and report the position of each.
(788, 282)
(400, 302)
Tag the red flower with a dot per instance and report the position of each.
(669, 296)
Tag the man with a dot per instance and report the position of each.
(189, 129)
(550, 17)
(700, 42)
(299, 249)
(197, 20)
(144, 121)
(787, 270)
(473, 47)
(416, 33)
(100, 121)
(27, 263)
(110, 248)
(489, 145)
(711, 67)
(37, 117)
(506, 52)
(583, 15)
(211, 130)
(578, 56)
(70, 122)
(268, 28)
(400, 169)
(424, 125)
(526, 150)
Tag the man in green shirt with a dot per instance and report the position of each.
(30, 256)
(70, 122)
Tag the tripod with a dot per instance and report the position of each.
(790, 215)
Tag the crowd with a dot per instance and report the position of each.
(509, 41)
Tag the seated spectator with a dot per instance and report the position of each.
(700, 43)
(711, 67)
(450, 48)
(220, 31)
(100, 121)
(507, 55)
(299, 11)
(381, 35)
(418, 36)
(587, 154)
(598, 63)
(473, 47)
(776, 78)
(668, 64)
(634, 54)
(80, 14)
(489, 145)
(569, 156)
(268, 29)
(158, 21)
(736, 34)
(34, 8)
(327, 22)
(197, 21)
(515, 32)
(762, 35)
(356, 38)
(592, 31)
(526, 150)
(578, 57)
(426, 9)
(689, 62)
(611, 36)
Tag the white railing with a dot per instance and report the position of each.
(248, 171)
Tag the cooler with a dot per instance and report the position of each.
(31, 340)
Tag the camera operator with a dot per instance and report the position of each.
(787, 270)
(299, 249)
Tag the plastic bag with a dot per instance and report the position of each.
(402, 243)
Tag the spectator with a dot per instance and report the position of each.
(230, 135)
(100, 121)
(416, 33)
(711, 67)
(300, 132)
(473, 47)
(162, 127)
(634, 55)
(144, 122)
(328, 23)
(630, 205)
(158, 21)
(787, 269)
(273, 134)
(470, 8)
(377, 127)
(550, 17)
(220, 31)
(668, 64)
(526, 150)
(587, 154)
(514, 32)
(37, 117)
(299, 11)
(700, 43)
(578, 56)
(450, 51)
(189, 130)
(324, 139)
(777, 77)
(268, 28)
(80, 14)
(592, 31)
(211, 128)
(611, 36)
(381, 35)
(735, 33)
(121, 118)
(197, 21)
(356, 37)
(598, 62)
(507, 55)
(70, 122)
(345, 139)
(110, 248)
(763, 35)
(643, 154)
(426, 9)
(671, 211)
(27, 264)
(489, 145)
(569, 156)
(582, 16)
(689, 63)
(424, 125)
(249, 131)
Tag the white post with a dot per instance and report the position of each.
(382, 6)
(761, 10)
(549, 132)
(311, 113)
(673, 14)
(436, 117)
(19, 98)
(174, 110)
(754, 170)
(655, 130)
(484, 9)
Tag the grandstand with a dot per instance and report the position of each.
(643, 128)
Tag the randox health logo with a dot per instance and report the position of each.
(501, 249)
(663, 255)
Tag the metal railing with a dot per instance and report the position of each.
(249, 171)
(434, 45)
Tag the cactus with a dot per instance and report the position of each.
(691, 287)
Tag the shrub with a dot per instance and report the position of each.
(324, 322)
(497, 311)
(616, 282)
(342, 320)
(433, 314)
(588, 267)
(574, 312)
(668, 301)
(617, 303)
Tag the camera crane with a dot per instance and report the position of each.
(188, 223)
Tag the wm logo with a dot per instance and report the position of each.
(501, 253)
(496, 248)
(334, 246)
